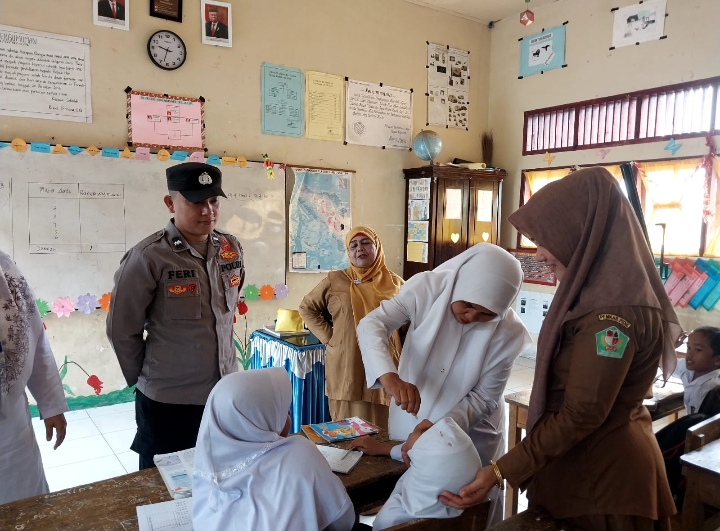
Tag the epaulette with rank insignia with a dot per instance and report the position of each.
(155, 236)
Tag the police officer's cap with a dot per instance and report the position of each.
(195, 181)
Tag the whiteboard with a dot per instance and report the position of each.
(71, 218)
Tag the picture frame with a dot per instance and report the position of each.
(167, 9)
(112, 14)
(216, 23)
(534, 272)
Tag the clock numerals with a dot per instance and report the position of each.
(167, 50)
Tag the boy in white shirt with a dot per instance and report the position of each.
(700, 370)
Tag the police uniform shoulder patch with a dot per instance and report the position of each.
(155, 236)
(611, 342)
(615, 318)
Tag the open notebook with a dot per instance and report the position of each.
(341, 461)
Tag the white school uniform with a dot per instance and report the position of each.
(247, 477)
(697, 389)
(460, 370)
(443, 458)
(26, 360)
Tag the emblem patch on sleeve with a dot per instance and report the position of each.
(177, 290)
(228, 255)
(611, 342)
(235, 280)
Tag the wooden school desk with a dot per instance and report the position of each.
(532, 520)
(666, 402)
(109, 505)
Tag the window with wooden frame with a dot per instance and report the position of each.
(684, 110)
(679, 193)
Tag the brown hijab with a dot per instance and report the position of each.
(589, 226)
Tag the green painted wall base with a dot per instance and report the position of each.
(85, 402)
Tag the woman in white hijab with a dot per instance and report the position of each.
(458, 354)
(249, 475)
(443, 455)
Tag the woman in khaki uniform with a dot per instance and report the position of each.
(346, 297)
(590, 455)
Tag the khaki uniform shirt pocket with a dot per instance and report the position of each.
(231, 282)
(182, 299)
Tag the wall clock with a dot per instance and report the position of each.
(166, 50)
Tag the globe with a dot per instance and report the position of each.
(427, 145)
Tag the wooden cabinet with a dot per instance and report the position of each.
(452, 209)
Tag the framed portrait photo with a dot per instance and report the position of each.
(112, 13)
(216, 23)
(167, 9)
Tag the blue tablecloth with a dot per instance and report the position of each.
(306, 367)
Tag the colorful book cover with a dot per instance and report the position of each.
(709, 285)
(345, 429)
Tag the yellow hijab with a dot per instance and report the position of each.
(372, 285)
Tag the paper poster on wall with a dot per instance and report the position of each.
(438, 67)
(639, 23)
(162, 121)
(419, 188)
(319, 219)
(282, 101)
(453, 203)
(542, 51)
(457, 109)
(532, 308)
(448, 72)
(417, 252)
(459, 62)
(378, 115)
(418, 210)
(324, 106)
(534, 272)
(437, 105)
(45, 75)
(418, 231)
(484, 205)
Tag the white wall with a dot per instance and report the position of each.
(372, 40)
(688, 53)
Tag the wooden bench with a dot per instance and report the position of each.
(472, 519)
(701, 467)
(532, 520)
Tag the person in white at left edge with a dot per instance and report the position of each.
(249, 475)
(26, 360)
(458, 354)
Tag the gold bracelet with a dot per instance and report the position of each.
(496, 469)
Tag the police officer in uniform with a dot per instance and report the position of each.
(171, 313)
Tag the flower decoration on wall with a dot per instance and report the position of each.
(87, 303)
(281, 291)
(63, 307)
(251, 292)
(94, 382)
(268, 166)
(104, 302)
(267, 292)
(43, 307)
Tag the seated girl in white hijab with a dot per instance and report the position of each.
(249, 475)
(458, 354)
(443, 455)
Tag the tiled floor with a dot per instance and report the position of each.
(96, 447)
